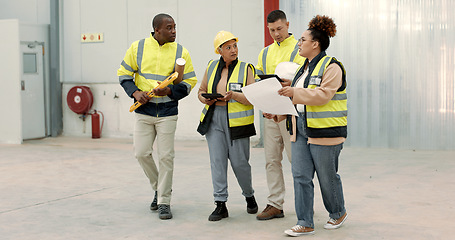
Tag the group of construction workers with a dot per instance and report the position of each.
(313, 140)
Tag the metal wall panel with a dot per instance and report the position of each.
(399, 58)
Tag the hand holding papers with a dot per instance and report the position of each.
(264, 96)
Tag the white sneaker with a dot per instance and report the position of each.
(336, 223)
(298, 230)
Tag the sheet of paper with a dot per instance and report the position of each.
(264, 96)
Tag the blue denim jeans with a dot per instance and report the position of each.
(306, 160)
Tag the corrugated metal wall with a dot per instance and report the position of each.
(399, 58)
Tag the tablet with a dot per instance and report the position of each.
(265, 76)
(212, 95)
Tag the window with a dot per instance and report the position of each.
(30, 63)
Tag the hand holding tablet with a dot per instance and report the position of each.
(212, 95)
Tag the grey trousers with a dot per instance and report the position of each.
(221, 148)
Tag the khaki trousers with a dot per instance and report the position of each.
(276, 138)
(146, 130)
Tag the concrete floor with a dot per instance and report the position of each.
(81, 188)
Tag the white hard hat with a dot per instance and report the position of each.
(286, 70)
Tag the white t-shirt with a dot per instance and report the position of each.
(300, 84)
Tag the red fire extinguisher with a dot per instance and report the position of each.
(96, 129)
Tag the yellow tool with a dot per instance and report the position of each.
(163, 84)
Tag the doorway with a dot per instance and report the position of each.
(32, 91)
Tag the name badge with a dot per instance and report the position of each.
(315, 80)
(236, 87)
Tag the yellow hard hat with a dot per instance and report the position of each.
(222, 37)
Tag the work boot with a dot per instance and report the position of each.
(220, 212)
(164, 211)
(270, 212)
(251, 205)
(154, 205)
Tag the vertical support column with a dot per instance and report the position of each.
(269, 5)
(55, 86)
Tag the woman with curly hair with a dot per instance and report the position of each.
(319, 93)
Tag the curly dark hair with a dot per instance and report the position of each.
(322, 28)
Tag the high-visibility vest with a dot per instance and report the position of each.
(272, 55)
(238, 113)
(334, 113)
(151, 63)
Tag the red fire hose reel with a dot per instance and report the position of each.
(80, 100)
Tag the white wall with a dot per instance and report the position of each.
(10, 70)
(400, 62)
(95, 64)
(27, 11)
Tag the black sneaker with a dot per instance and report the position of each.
(154, 205)
(164, 211)
(251, 205)
(220, 212)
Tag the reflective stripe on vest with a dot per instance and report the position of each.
(140, 53)
(238, 114)
(210, 71)
(264, 59)
(294, 53)
(332, 114)
(127, 67)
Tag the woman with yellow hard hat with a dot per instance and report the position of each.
(227, 121)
